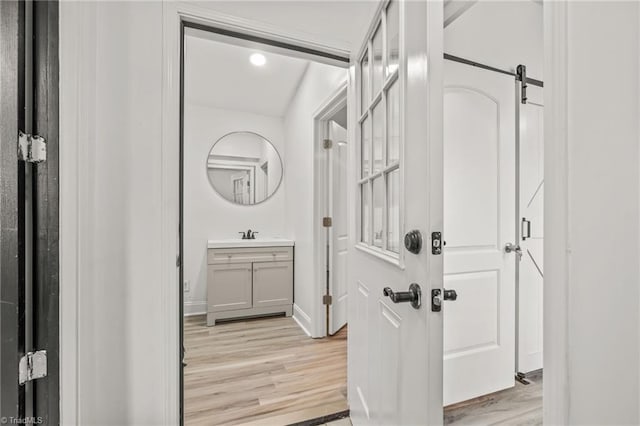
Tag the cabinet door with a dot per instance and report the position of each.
(229, 287)
(272, 284)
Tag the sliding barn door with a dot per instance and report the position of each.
(531, 273)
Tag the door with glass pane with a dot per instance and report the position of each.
(395, 349)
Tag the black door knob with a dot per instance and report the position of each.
(413, 241)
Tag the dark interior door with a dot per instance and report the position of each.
(12, 213)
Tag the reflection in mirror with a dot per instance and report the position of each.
(244, 168)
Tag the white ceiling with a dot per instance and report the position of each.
(337, 23)
(219, 75)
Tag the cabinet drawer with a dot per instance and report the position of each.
(243, 255)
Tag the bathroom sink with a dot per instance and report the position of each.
(258, 242)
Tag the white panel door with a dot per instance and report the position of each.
(479, 219)
(530, 274)
(339, 232)
(395, 349)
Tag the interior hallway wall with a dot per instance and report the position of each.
(318, 83)
(600, 195)
(206, 214)
(502, 34)
(111, 239)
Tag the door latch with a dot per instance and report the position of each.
(436, 243)
(436, 300)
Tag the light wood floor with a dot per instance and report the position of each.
(267, 371)
(262, 371)
(520, 405)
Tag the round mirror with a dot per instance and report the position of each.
(244, 168)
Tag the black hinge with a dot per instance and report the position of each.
(327, 222)
(327, 144)
(436, 243)
(327, 299)
(521, 72)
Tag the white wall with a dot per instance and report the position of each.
(598, 286)
(502, 34)
(207, 215)
(318, 83)
(111, 188)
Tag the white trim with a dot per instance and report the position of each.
(195, 307)
(302, 319)
(334, 102)
(191, 12)
(557, 229)
(77, 37)
(386, 255)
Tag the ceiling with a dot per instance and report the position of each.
(220, 75)
(340, 24)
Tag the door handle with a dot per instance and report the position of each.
(513, 248)
(525, 224)
(436, 301)
(414, 295)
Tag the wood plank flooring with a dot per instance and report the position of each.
(520, 405)
(262, 371)
(268, 372)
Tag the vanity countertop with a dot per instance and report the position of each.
(258, 242)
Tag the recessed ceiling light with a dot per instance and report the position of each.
(258, 59)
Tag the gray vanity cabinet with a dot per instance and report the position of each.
(247, 282)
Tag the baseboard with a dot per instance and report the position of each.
(198, 307)
(302, 319)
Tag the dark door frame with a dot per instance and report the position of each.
(46, 195)
(29, 209)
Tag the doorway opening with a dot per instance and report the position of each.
(493, 185)
(250, 113)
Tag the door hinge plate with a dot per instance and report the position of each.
(436, 243)
(327, 222)
(31, 148)
(33, 365)
(327, 299)
(327, 144)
